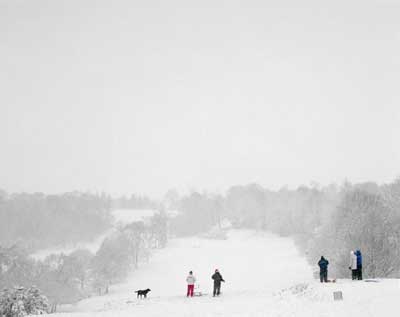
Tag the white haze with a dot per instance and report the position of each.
(132, 96)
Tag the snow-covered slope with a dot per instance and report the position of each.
(125, 216)
(265, 276)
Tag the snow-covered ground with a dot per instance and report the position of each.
(265, 276)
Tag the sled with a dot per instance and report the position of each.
(197, 291)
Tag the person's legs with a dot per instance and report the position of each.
(326, 276)
(191, 290)
(360, 273)
(218, 289)
(215, 289)
(321, 276)
(188, 291)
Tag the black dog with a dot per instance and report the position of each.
(142, 292)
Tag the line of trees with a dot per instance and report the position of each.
(134, 202)
(198, 213)
(126, 248)
(328, 220)
(39, 221)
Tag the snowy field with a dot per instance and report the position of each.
(265, 276)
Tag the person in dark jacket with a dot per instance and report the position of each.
(359, 265)
(323, 269)
(217, 277)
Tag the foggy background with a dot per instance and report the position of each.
(136, 96)
(226, 133)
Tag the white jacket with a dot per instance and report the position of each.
(353, 261)
(190, 279)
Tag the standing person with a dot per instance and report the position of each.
(190, 284)
(359, 265)
(323, 269)
(217, 277)
(353, 265)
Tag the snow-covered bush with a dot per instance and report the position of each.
(19, 302)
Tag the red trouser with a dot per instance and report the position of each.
(190, 290)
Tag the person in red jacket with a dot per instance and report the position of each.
(190, 284)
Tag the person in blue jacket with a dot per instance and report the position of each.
(323, 269)
(359, 265)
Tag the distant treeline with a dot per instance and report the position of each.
(39, 221)
(134, 202)
(327, 221)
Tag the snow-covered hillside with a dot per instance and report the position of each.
(265, 276)
(125, 216)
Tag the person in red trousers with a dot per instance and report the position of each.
(190, 284)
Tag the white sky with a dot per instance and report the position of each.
(142, 96)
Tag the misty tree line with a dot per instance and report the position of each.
(327, 221)
(38, 221)
(68, 278)
(134, 202)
